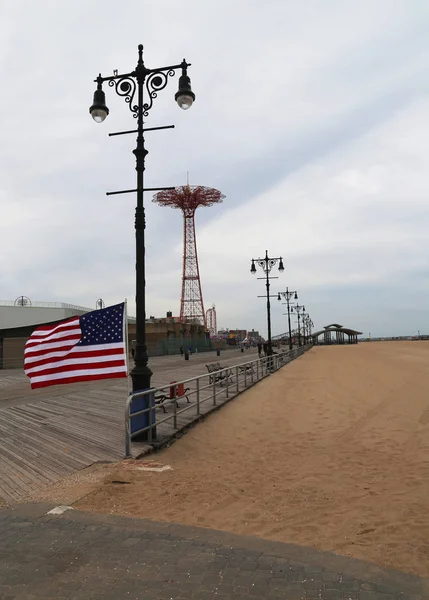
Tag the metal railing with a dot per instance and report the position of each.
(41, 304)
(200, 392)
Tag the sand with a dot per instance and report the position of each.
(330, 452)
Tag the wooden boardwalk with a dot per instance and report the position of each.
(43, 441)
(50, 433)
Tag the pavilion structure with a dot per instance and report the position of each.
(336, 334)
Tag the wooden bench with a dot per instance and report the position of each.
(215, 375)
(247, 369)
(181, 392)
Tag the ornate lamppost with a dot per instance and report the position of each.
(299, 310)
(141, 81)
(308, 326)
(288, 295)
(266, 265)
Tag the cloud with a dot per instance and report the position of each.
(310, 118)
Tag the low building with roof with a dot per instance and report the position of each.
(336, 334)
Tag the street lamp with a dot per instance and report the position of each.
(287, 295)
(266, 265)
(308, 324)
(299, 309)
(147, 82)
(304, 320)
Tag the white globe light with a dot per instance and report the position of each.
(185, 101)
(98, 114)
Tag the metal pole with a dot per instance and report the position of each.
(299, 331)
(127, 429)
(198, 397)
(288, 319)
(270, 350)
(175, 407)
(141, 373)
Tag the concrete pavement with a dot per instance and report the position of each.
(83, 556)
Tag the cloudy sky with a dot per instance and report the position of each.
(312, 117)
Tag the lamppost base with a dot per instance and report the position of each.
(141, 376)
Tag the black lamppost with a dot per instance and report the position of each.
(266, 265)
(308, 323)
(305, 316)
(299, 309)
(141, 81)
(287, 295)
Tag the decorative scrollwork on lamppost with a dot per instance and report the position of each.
(266, 264)
(128, 86)
(299, 310)
(288, 295)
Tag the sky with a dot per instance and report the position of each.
(312, 118)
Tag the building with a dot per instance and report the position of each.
(254, 337)
(19, 319)
(165, 335)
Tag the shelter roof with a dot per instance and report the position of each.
(345, 330)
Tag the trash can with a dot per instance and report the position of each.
(186, 355)
(141, 421)
(218, 352)
(242, 349)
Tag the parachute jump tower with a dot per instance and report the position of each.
(188, 198)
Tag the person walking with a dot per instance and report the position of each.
(259, 349)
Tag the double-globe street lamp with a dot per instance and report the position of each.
(141, 81)
(288, 295)
(266, 265)
(299, 310)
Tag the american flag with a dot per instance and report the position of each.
(79, 349)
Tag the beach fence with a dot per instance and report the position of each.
(158, 414)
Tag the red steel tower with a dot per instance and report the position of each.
(188, 199)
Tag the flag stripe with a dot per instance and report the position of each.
(35, 361)
(42, 332)
(63, 335)
(79, 367)
(82, 361)
(66, 345)
(76, 379)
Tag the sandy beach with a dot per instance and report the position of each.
(331, 452)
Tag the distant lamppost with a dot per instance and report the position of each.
(288, 295)
(266, 265)
(304, 327)
(308, 324)
(299, 309)
(126, 85)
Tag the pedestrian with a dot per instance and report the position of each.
(265, 346)
(259, 349)
(181, 350)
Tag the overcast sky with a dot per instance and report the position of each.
(310, 116)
